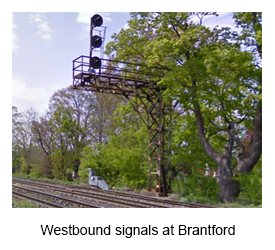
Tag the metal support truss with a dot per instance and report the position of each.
(138, 84)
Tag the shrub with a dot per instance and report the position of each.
(251, 187)
(196, 185)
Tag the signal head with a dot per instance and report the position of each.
(96, 41)
(95, 62)
(97, 20)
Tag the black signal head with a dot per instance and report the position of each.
(97, 20)
(95, 62)
(96, 41)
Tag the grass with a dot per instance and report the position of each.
(22, 204)
(204, 200)
(52, 180)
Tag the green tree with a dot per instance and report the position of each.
(75, 119)
(44, 137)
(250, 148)
(123, 160)
(22, 139)
(211, 74)
(251, 30)
(63, 127)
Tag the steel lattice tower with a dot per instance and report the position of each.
(137, 83)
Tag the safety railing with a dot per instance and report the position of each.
(117, 69)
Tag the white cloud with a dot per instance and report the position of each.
(26, 95)
(36, 17)
(44, 30)
(14, 36)
(21, 90)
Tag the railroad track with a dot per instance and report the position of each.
(48, 199)
(43, 203)
(100, 198)
(166, 201)
(95, 195)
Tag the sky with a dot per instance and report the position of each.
(44, 44)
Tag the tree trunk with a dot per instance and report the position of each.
(229, 189)
(76, 165)
(247, 160)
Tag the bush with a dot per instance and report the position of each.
(122, 162)
(196, 187)
(24, 166)
(35, 173)
(22, 204)
(251, 187)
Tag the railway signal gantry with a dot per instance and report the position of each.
(137, 83)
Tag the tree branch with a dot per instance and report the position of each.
(200, 126)
(246, 161)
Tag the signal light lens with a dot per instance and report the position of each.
(96, 41)
(97, 20)
(95, 62)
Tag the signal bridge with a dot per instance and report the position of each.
(137, 83)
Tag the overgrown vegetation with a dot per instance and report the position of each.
(204, 189)
(22, 204)
(213, 77)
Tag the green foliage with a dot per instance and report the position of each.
(15, 159)
(58, 163)
(196, 185)
(203, 64)
(251, 25)
(186, 146)
(91, 158)
(36, 172)
(65, 136)
(119, 165)
(22, 204)
(213, 72)
(24, 165)
(251, 185)
(123, 160)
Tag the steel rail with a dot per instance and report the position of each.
(52, 196)
(78, 190)
(119, 200)
(97, 195)
(36, 200)
(171, 202)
